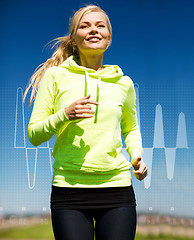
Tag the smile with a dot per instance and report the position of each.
(93, 39)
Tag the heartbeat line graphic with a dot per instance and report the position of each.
(31, 153)
(170, 153)
(20, 142)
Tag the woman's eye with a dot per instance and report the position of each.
(101, 25)
(83, 26)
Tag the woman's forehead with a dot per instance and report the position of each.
(93, 16)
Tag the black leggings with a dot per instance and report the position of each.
(110, 224)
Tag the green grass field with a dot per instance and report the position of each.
(44, 231)
(40, 231)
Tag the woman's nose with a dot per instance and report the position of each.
(93, 29)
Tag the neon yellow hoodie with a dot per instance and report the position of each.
(87, 152)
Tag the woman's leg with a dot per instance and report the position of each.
(69, 224)
(116, 223)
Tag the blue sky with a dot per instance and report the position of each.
(153, 42)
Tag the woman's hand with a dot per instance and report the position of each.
(80, 109)
(140, 169)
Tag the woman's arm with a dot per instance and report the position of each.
(44, 123)
(131, 133)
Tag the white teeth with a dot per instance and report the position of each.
(94, 38)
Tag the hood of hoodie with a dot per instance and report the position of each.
(108, 73)
(111, 73)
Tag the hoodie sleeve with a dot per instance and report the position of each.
(44, 123)
(130, 128)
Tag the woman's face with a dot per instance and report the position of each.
(92, 35)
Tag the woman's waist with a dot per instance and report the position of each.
(91, 161)
(88, 179)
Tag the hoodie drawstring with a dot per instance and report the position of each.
(86, 83)
(97, 99)
(97, 92)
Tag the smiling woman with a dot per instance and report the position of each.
(88, 106)
(92, 38)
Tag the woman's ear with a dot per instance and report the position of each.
(109, 40)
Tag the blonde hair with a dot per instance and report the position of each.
(64, 50)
